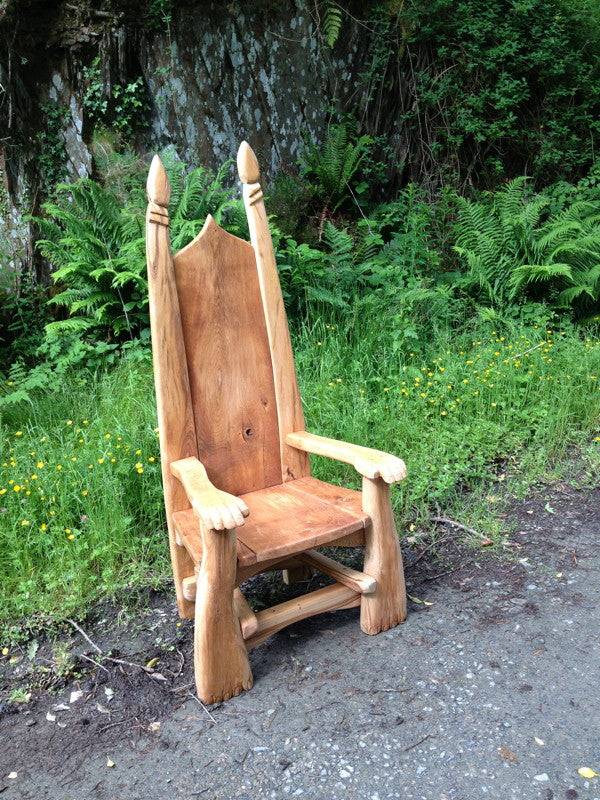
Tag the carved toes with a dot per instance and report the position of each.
(226, 694)
(383, 623)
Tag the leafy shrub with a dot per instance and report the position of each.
(23, 311)
(120, 106)
(97, 250)
(513, 247)
(333, 166)
(384, 264)
(477, 91)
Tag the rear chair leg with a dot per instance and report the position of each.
(386, 607)
(297, 574)
(221, 665)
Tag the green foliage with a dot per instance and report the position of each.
(331, 21)
(51, 154)
(483, 90)
(80, 493)
(333, 166)
(513, 248)
(195, 195)
(383, 264)
(160, 14)
(120, 106)
(23, 311)
(97, 250)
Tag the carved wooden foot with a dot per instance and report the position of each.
(221, 663)
(386, 607)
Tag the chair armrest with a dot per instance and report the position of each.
(217, 510)
(369, 463)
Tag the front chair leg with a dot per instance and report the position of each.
(221, 665)
(386, 607)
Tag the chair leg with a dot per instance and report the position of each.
(221, 665)
(297, 574)
(386, 607)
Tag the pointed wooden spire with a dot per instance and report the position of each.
(157, 185)
(294, 463)
(247, 164)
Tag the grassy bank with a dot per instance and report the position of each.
(80, 498)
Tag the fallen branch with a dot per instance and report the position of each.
(106, 657)
(94, 662)
(455, 524)
(85, 636)
(416, 744)
(204, 708)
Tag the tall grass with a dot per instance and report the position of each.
(465, 412)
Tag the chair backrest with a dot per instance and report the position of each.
(236, 390)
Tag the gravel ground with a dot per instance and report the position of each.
(489, 692)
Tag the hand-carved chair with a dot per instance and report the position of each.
(239, 495)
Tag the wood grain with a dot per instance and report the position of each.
(215, 509)
(221, 666)
(245, 615)
(173, 401)
(366, 461)
(187, 526)
(229, 361)
(352, 578)
(294, 463)
(285, 519)
(386, 607)
(331, 598)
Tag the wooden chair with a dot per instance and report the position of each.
(239, 495)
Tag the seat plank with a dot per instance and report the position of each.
(187, 527)
(286, 519)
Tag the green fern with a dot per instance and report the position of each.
(95, 245)
(333, 166)
(331, 23)
(512, 247)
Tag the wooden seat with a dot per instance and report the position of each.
(284, 520)
(239, 496)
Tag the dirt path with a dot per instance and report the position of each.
(490, 692)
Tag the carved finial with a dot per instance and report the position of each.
(247, 164)
(157, 185)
